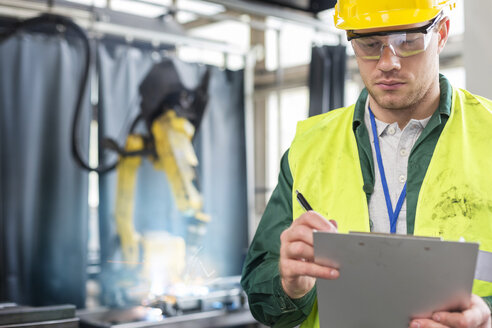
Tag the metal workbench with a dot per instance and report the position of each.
(104, 318)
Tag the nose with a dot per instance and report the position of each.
(389, 60)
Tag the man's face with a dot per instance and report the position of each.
(401, 83)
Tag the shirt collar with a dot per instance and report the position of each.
(383, 127)
(444, 108)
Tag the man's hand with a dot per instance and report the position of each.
(476, 316)
(298, 271)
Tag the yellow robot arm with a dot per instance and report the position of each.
(177, 158)
(127, 174)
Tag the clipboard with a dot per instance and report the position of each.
(386, 280)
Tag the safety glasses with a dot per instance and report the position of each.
(403, 43)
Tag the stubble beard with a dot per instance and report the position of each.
(398, 100)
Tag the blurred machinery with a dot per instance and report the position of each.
(218, 303)
(171, 114)
(170, 289)
(14, 315)
(160, 285)
(157, 271)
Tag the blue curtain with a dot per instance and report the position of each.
(43, 193)
(220, 147)
(121, 70)
(327, 78)
(221, 150)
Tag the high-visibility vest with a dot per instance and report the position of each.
(455, 199)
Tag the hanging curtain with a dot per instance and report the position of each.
(326, 79)
(121, 69)
(220, 148)
(43, 193)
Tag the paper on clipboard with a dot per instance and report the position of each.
(385, 280)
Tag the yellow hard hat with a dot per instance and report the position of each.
(364, 14)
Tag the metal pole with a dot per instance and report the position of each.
(279, 81)
(88, 17)
(249, 85)
(264, 10)
(218, 17)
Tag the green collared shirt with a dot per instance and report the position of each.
(261, 279)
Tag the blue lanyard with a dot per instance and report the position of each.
(393, 216)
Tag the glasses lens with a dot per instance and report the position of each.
(403, 45)
(368, 47)
(407, 45)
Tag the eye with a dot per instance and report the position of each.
(411, 41)
(370, 44)
(403, 42)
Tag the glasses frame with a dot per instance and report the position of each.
(351, 35)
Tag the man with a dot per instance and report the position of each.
(411, 156)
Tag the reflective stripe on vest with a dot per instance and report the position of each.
(455, 198)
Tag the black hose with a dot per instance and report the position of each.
(107, 143)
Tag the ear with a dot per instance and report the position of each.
(443, 33)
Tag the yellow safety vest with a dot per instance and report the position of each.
(455, 198)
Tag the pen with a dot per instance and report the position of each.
(303, 201)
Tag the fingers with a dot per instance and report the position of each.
(469, 318)
(297, 240)
(298, 233)
(426, 323)
(477, 315)
(298, 277)
(297, 268)
(299, 250)
(301, 268)
(315, 221)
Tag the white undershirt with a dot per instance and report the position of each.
(395, 145)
